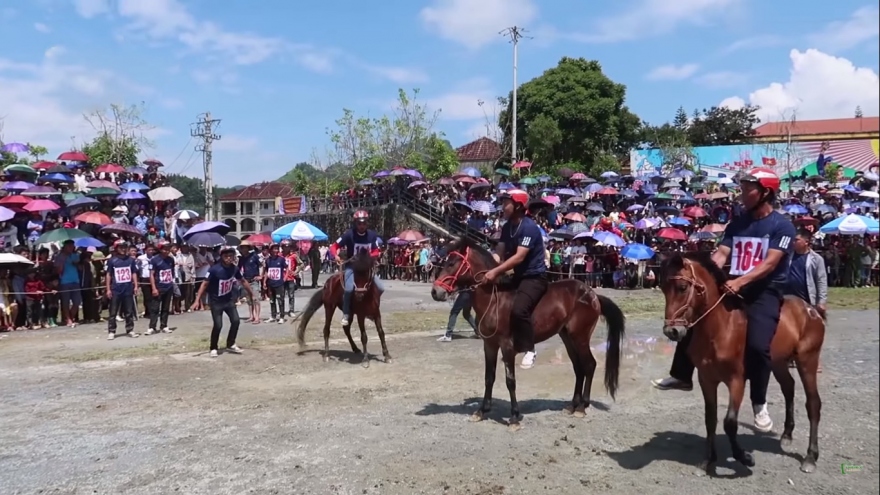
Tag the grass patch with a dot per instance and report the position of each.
(150, 349)
(853, 298)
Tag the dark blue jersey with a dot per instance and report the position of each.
(528, 235)
(121, 271)
(221, 280)
(275, 268)
(750, 239)
(354, 243)
(163, 272)
(250, 265)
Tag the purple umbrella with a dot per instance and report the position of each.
(205, 239)
(16, 148)
(131, 196)
(83, 201)
(17, 186)
(414, 173)
(396, 241)
(6, 214)
(41, 191)
(216, 227)
(416, 183)
(381, 173)
(565, 192)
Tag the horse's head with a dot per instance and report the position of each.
(688, 282)
(361, 263)
(464, 260)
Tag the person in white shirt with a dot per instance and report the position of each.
(145, 272)
(8, 236)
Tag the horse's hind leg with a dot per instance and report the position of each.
(354, 347)
(808, 367)
(365, 358)
(381, 331)
(328, 318)
(508, 356)
(577, 400)
(490, 352)
(786, 383)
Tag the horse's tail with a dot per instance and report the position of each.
(315, 302)
(616, 330)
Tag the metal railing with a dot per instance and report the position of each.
(436, 216)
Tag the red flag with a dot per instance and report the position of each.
(738, 164)
(770, 162)
(748, 163)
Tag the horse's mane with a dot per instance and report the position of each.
(484, 253)
(361, 263)
(675, 262)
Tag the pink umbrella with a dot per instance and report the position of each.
(41, 205)
(575, 217)
(522, 165)
(102, 183)
(110, 168)
(578, 176)
(410, 236)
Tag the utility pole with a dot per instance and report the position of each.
(515, 34)
(204, 130)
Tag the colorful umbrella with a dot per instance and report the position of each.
(298, 231)
(131, 196)
(134, 186)
(15, 148)
(43, 165)
(42, 191)
(411, 236)
(672, 234)
(93, 217)
(14, 201)
(61, 235)
(41, 205)
(259, 239)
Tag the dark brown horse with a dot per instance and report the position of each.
(695, 301)
(364, 304)
(569, 308)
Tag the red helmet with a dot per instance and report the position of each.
(517, 196)
(361, 216)
(763, 176)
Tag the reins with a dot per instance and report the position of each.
(695, 288)
(449, 283)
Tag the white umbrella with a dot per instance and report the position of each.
(186, 215)
(869, 194)
(166, 193)
(7, 259)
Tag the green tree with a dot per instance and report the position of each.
(193, 190)
(587, 108)
(681, 120)
(36, 151)
(543, 137)
(722, 126)
(121, 135)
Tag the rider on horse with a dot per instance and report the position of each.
(356, 240)
(521, 248)
(759, 245)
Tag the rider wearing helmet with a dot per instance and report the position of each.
(521, 248)
(355, 240)
(758, 244)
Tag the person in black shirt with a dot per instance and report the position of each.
(219, 285)
(162, 288)
(119, 289)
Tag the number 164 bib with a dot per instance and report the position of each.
(748, 252)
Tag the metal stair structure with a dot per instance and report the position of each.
(435, 220)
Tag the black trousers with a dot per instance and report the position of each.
(125, 305)
(528, 294)
(217, 311)
(160, 306)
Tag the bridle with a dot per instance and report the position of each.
(449, 283)
(695, 289)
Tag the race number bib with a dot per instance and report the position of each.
(166, 277)
(358, 248)
(748, 252)
(274, 273)
(122, 275)
(225, 287)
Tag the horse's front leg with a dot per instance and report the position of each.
(381, 331)
(710, 400)
(509, 358)
(365, 358)
(347, 330)
(490, 351)
(736, 388)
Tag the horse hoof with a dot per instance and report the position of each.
(476, 417)
(388, 360)
(326, 359)
(568, 410)
(808, 466)
(746, 459)
(705, 469)
(514, 427)
(579, 414)
(785, 441)
(366, 363)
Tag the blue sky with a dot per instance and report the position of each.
(279, 73)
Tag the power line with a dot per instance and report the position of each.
(204, 129)
(189, 162)
(182, 150)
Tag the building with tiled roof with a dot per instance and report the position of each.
(255, 208)
(483, 154)
(819, 130)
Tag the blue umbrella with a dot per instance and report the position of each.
(298, 231)
(87, 242)
(484, 207)
(544, 178)
(565, 192)
(57, 178)
(505, 186)
(796, 209)
(637, 252)
(679, 221)
(134, 186)
(594, 188)
(851, 225)
(83, 201)
(635, 207)
(131, 196)
(609, 239)
(205, 239)
(215, 227)
(470, 172)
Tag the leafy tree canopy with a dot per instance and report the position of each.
(193, 190)
(572, 114)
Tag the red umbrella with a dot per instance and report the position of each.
(701, 195)
(607, 190)
(578, 176)
(15, 200)
(259, 239)
(410, 235)
(522, 164)
(110, 168)
(41, 205)
(152, 162)
(695, 212)
(672, 234)
(73, 156)
(43, 165)
(94, 217)
(715, 228)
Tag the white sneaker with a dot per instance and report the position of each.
(444, 338)
(234, 349)
(763, 422)
(670, 383)
(133, 334)
(214, 353)
(111, 336)
(345, 321)
(167, 330)
(119, 318)
(528, 360)
(280, 320)
(270, 320)
(150, 331)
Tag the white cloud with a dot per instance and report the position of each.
(171, 103)
(475, 24)
(463, 101)
(862, 27)
(91, 8)
(752, 43)
(672, 72)
(820, 86)
(44, 102)
(655, 17)
(399, 75)
(722, 79)
(42, 28)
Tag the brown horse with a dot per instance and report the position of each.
(364, 304)
(569, 308)
(695, 302)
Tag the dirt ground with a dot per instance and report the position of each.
(155, 415)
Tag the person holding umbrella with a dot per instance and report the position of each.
(219, 288)
(161, 288)
(119, 289)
